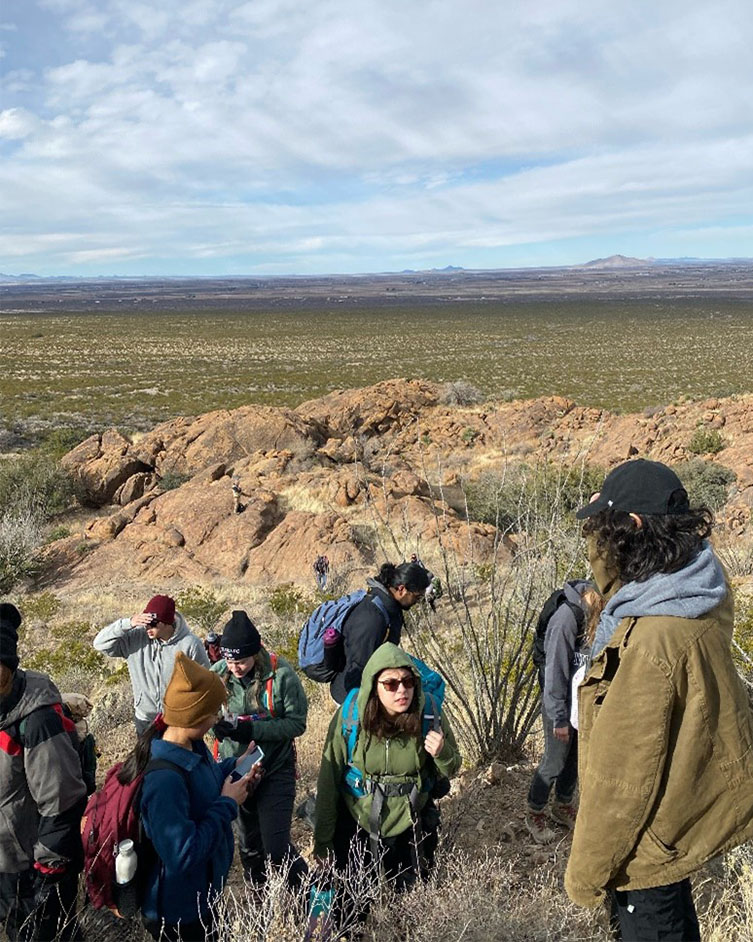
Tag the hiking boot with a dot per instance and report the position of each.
(564, 812)
(537, 823)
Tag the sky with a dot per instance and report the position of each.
(211, 137)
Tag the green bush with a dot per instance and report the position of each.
(41, 607)
(37, 482)
(706, 441)
(522, 496)
(287, 599)
(460, 393)
(470, 435)
(706, 482)
(57, 533)
(201, 607)
(73, 653)
(171, 480)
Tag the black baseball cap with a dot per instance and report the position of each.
(640, 487)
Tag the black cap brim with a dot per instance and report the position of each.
(592, 508)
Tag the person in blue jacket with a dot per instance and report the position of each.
(187, 811)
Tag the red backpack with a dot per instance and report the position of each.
(111, 816)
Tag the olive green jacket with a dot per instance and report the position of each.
(398, 759)
(665, 755)
(274, 733)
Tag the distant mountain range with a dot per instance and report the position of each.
(612, 262)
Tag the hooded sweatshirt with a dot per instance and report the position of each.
(564, 653)
(399, 759)
(150, 661)
(42, 793)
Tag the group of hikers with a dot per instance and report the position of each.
(643, 712)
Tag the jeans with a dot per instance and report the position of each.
(264, 827)
(665, 913)
(559, 765)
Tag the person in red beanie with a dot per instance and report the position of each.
(149, 641)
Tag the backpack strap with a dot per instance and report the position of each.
(350, 722)
(154, 765)
(270, 684)
(431, 720)
(379, 603)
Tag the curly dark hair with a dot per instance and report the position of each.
(377, 723)
(664, 542)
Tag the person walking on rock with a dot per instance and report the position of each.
(42, 798)
(666, 736)
(266, 703)
(149, 641)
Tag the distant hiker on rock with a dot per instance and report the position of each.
(563, 636)
(212, 647)
(149, 642)
(266, 703)
(321, 571)
(42, 795)
(666, 735)
(235, 487)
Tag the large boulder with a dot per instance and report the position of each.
(102, 464)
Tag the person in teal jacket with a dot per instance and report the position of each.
(266, 703)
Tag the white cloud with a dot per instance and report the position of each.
(227, 128)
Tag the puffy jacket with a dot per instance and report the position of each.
(401, 758)
(363, 631)
(274, 731)
(190, 825)
(150, 661)
(42, 793)
(665, 755)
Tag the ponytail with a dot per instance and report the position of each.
(139, 756)
(413, 576)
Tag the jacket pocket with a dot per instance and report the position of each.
(664, 851)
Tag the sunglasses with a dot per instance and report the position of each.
(393, 683)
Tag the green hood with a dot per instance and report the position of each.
(386, 655)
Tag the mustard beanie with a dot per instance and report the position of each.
(193, 694)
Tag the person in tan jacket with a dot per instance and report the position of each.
(666, 738)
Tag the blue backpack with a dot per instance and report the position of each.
(330, 614)
(433, 686)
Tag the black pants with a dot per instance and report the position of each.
(27, 918)
(665, 913)
(398, 860)
(264, 828)
(181, 932)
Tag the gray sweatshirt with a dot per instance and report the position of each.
(563, 656)
(150, 661)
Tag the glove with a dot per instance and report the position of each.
(243, 732)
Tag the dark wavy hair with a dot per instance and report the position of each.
(413, 576)
(664, 542)
(377, 723)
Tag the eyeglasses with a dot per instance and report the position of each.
(394, 683)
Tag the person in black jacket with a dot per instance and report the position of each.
(378, 618)
(42, 794)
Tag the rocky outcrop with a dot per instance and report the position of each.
(349, 473)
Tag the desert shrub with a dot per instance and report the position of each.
(736, 554)
(706, 482)
(41, 607)
(288, 599)
(460, 393)
(20, 537)
(469, 435)
(171, 480)
(57, 533)
(73, 654)
(37, 482)
(59, 441)
(742, 648)
(524, 497)
(200, 607)
(706, 441)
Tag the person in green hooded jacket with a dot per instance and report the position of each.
(267, 704)
(389, 812)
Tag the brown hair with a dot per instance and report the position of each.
(593, 605)
(377, 723)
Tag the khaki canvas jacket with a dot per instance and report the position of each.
(666, 755)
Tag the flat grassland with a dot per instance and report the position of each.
(94, 360)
